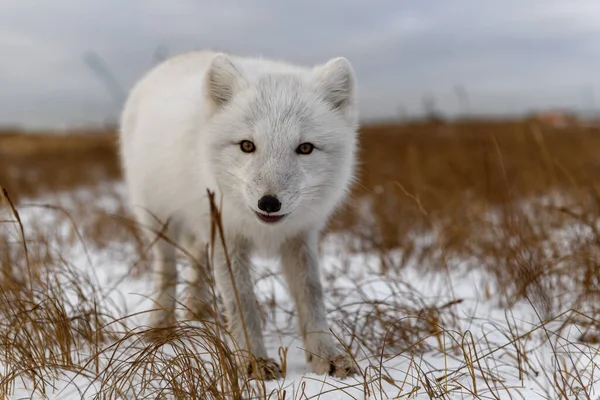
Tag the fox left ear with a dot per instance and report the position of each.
(223, 80)
(336, 79)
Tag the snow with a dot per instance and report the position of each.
(355, 292)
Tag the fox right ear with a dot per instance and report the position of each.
(223, 80)
(337, 81)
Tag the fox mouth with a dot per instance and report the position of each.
(269, 219)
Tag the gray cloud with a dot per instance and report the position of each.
(510, 55)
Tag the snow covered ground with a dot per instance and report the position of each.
(414, 334)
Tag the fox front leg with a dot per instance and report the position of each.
(301, 269)
(243, 318)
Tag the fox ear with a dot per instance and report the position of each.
(337, 82)
(223, 80)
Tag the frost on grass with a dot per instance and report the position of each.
(425, 324)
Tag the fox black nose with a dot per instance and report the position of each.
(269, 204)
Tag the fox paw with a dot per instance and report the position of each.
(339, 366)
(263, 369)
(162, 319)
(162, 326)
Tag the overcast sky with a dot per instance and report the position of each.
(509, 55)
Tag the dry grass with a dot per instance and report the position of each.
(517, 200)
(37, 162)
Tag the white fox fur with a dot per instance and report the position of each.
(180, 134)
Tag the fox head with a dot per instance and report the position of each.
(282, 143)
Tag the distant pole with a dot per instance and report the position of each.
(428, 101)
(110, 82)
(160, 54)
(463, 99)
(401, 113)
(105, 75)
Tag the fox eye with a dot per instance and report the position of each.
(247, 146)
(305, 148)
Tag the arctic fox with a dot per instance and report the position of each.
(277, 143)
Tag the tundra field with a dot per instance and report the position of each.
(465, 265)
